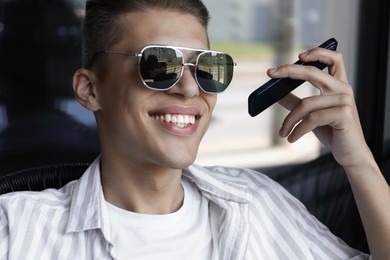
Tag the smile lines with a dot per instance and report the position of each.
(178, 120)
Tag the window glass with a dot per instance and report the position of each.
(40, 49)
(38, 58)
(261, 34)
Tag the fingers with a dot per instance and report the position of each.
(333, 82)
(317, 111)
(331, 116)
(333, 59)
(308, 124)
(290, 101)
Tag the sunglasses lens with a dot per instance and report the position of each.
(215, 71)
(160, 67)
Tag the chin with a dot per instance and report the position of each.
(182, 164)
(179, 163)
(177, 157)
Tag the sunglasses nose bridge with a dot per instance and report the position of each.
(187, 83)
(191, 67)
(189, 64)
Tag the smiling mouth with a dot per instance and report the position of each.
(181, 121)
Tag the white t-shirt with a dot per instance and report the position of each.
(184, 234)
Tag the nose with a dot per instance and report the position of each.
(187, 86)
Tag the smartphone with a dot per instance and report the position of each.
(275, 89)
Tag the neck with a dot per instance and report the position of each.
(146, 189)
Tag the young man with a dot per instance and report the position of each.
(143, 198)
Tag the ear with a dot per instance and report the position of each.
(85, 89)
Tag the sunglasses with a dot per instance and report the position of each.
(160, 67)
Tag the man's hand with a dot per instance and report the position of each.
(333, 118)
(332, 115)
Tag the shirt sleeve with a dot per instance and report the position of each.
(319, 239)
(321, 242)
(286, 226)
(4, 234)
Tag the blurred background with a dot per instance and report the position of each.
(40, 50)
(261, 34)
(42, 124)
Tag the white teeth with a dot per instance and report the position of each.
(179, 120)
(186, 120)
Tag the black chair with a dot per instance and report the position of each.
(42, 177)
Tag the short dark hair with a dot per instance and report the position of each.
(101, 27)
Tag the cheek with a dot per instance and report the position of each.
(119, 90)
(211, 100)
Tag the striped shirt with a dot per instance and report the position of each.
(257, 219)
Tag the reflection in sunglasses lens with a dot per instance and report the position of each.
(214, 72)
(160, 68)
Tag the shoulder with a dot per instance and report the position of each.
(43, 200)
(264, 192)
(56, 199)
(252, 178)
(275, 215)
(255, 184)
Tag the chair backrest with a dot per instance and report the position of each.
(42, 177)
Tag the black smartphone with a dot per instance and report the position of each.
(275, 89)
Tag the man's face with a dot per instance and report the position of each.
(128, 118)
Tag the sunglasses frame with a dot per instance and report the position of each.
(178, 49)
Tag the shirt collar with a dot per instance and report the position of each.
(219, 182)
(88, 209)
(231, 200)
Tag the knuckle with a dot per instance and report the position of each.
(349, 90)
(345, 99)
(338, 56)
(286, 67)
(305, 103)
(312, 117)
(346, 111)
(311, 70)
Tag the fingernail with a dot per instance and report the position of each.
(303, 54)
(273, 70)
(282, 132)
